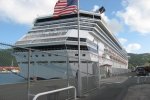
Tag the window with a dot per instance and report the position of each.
(76, 39)
(56, 54)
(32, 62)
(42, 62)
(58, 61)
(73, 61)
(83, 54)
(84, 61)
(42, 55)
(24, 62)
(76, 54)
(36, 55)
(64, 47)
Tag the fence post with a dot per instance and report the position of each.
(87, 75)
(98, 65)
(28, 77)
(68, 70)
(99, 75)
(68, 76)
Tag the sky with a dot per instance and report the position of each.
(128, 20)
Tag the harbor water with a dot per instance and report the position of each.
(10, 78)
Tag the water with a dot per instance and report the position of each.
(9, 78)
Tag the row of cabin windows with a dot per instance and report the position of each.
(59, 47)
(51, 55)
(46, 62)
(44, 35)
(57, 39)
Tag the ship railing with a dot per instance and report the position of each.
(55, 91)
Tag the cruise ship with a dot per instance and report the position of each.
(54, 44)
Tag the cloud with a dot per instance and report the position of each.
(113, 24)
(25, 11)
(95, 8)
(133, 47)
(122, 40)
(136, 15)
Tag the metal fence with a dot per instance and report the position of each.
(41, 71)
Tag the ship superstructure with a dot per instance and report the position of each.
(59, 36)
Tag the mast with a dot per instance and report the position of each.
(12, 63)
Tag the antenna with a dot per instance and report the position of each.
(12, 63)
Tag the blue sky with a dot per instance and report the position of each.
(127, 19)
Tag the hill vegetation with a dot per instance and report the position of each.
(6, 58)
(139, 59)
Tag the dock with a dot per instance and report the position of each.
(19, 91)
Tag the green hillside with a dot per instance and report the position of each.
(6, 58)
(139, 59)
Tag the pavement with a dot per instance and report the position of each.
(116, 79)
(126, 87)
(110, 89)
(142, 92)
(19, 91)
(123, 87)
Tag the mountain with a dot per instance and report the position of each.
(6, 58)
(139, 59)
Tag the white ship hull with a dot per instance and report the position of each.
(55, 66)
(54, 44)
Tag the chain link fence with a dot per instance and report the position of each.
(34, 71)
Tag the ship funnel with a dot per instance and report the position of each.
(101, 10)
